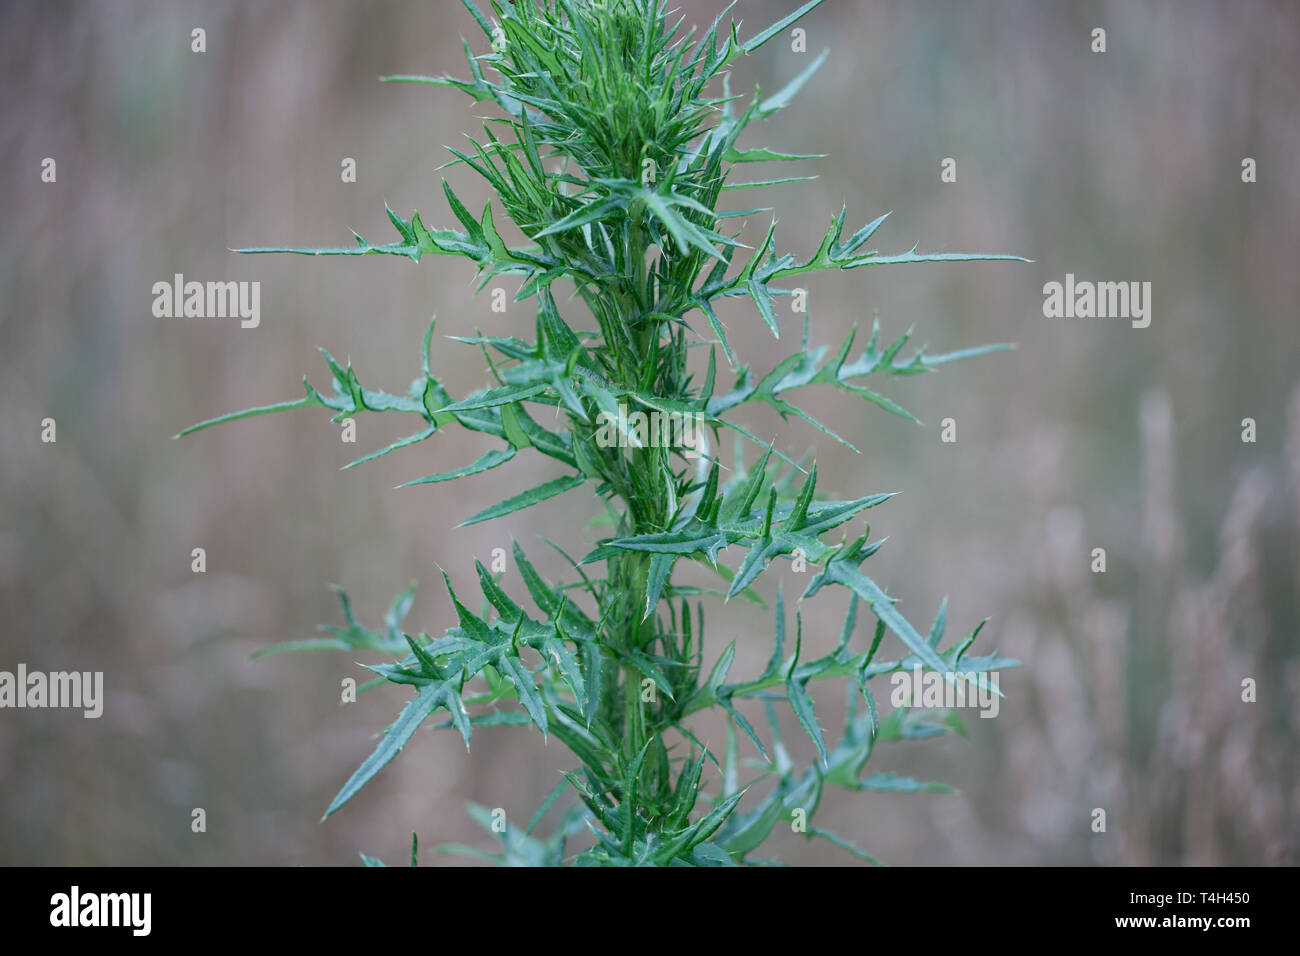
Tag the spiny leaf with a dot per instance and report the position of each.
(489, 460)
(429, 698)
(756, 41)
(895, 783)
(527, 499)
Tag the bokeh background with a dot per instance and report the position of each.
(1117, 166)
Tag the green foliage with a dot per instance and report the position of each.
(612, 155)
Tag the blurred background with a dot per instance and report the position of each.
(1122, 166)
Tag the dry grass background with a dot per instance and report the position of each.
(1122, 166)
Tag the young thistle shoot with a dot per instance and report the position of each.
(616, 141)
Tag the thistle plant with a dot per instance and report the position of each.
(617, 141)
